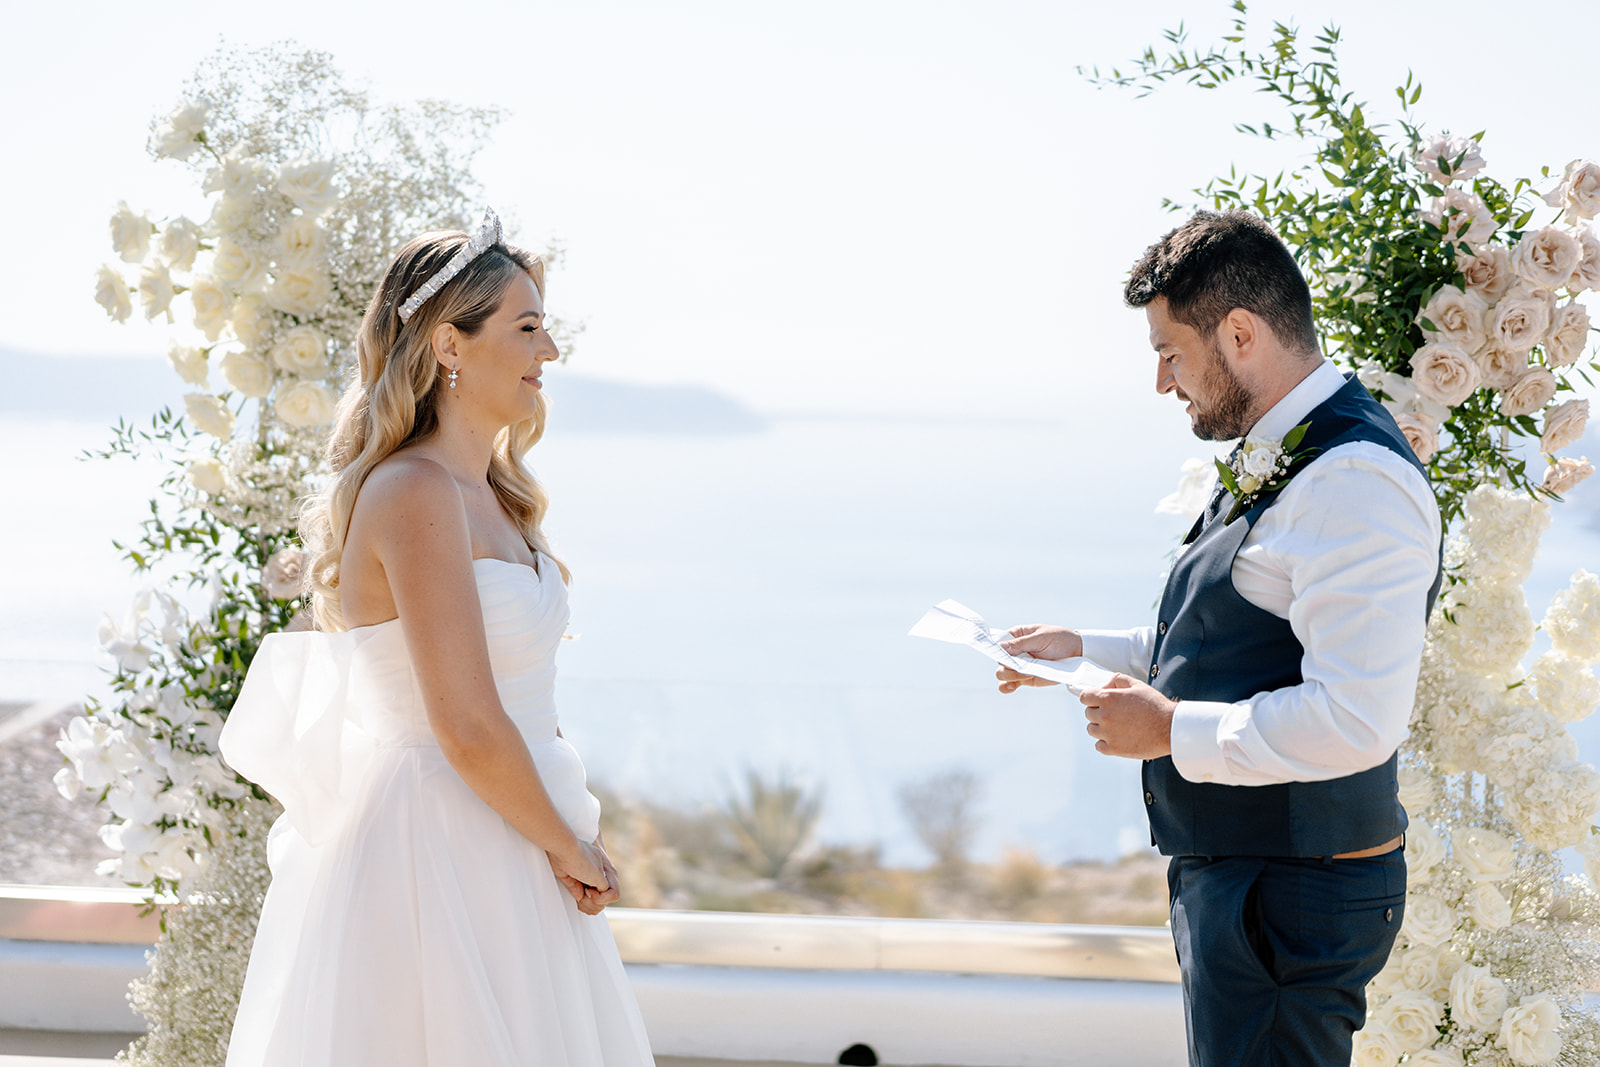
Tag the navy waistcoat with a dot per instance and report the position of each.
(1212, 644)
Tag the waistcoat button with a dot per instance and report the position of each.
(1161, 629)
(1155, 669)
(1149, 798)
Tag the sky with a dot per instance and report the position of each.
(843, 205)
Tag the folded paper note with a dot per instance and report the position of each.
(960, 625)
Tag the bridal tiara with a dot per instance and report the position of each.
(488, 236)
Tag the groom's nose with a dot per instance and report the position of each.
(1165, 381)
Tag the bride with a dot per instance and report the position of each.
(438, 874)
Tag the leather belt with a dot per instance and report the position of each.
(1375, 850)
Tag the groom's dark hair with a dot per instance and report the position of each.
(1218, 261)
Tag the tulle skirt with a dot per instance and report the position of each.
(427, 931)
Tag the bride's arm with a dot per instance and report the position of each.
(415, 526)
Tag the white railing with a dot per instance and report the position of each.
(732, 986)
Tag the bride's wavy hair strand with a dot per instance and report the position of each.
(394, 398)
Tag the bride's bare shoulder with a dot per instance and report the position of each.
(405, 491)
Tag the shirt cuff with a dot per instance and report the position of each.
(1196, 751)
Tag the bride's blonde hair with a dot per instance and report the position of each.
(393, 400)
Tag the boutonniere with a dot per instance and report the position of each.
(1260, 467)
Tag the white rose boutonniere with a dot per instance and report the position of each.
(1260, 467)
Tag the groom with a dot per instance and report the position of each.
(1269, 699)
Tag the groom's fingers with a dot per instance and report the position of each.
(1011, 681)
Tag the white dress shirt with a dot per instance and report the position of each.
(1346, 554)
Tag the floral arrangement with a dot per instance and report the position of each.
(1458, 307)
(1262, 466)
(310, 189)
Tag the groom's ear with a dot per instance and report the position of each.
(1240, 336)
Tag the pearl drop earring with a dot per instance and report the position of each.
(454, 374)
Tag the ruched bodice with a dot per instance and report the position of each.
(407, 923)
(317, 707)
(524, 616)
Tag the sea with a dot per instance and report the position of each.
(743, 584)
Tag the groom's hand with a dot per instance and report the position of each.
(1040, 642)
(1128, 718)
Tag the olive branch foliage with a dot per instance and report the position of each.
(1351, 215)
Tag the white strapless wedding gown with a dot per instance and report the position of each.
(407, 923)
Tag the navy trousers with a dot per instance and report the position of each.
(1276, 954)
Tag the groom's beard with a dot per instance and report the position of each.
(1227, 412)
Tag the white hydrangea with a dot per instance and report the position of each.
(1502, 529)
(1565, 686)
(1573, 621)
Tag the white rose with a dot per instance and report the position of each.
(184, 130)
(1412, 1019)
(111, 293)
(1458, 318)
(1568, 335)
(1563, 425)
(283, 578)
(251, 319)
(304, 351)
(1444, 373)
(1436, 1057)
(1521, 319)
(1529, 1030)
(1421, 433)
(1565, 473)
(247, 373)
(1500, 368)
(1487, 269)
(301, 291)
(1485, 856)
(1418, 971)
(1416, 790)
(1428, 921)
(209, 415)
(1546, 258)
(208, 475)
(155, 291)
(130, 233)
(180, 241)
(1529, 393)
(237, 178)
(1477, 998)
(238, 267)
(212, 305)
(230, 215)
(1579, 192)
(1261, 457)
(1463, 216)
(306, 405)
(1373, 1046)
(1424, 850)
(1587, 273)
(301, 243)
(1488, 907)
(309, 183)
(1446, 159)
(190, 363)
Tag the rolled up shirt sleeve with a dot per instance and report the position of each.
(1124, 651)
(1347, 555)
